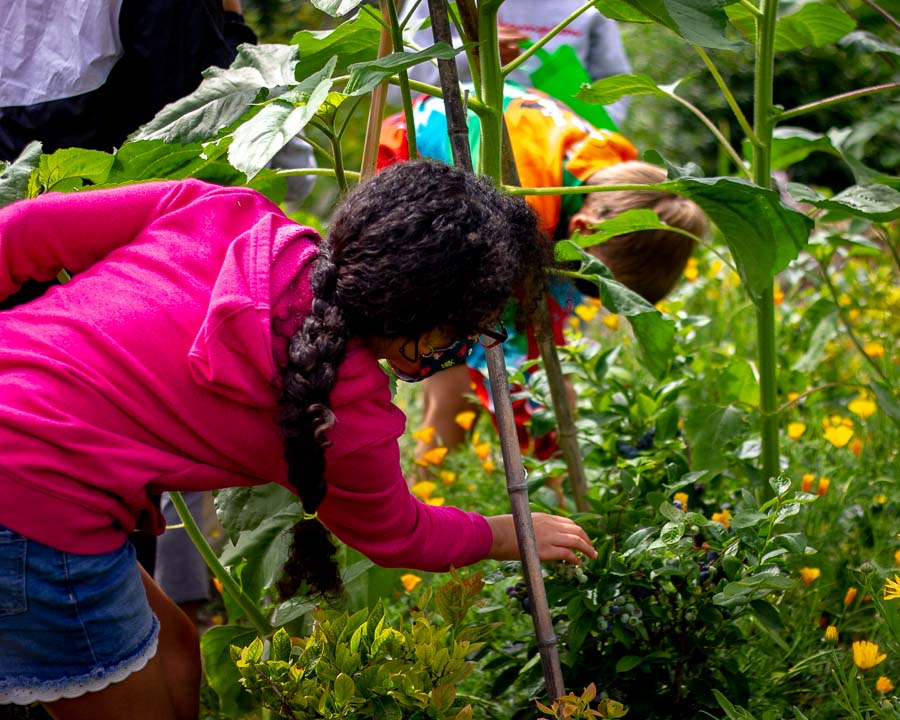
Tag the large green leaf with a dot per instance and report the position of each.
(336, 8)
(860, 42)
(67, 169)
(258, 140)
(221, 671)
(654, 333)
(813, 25)
(14, 178)
(607, 90)
(791, 145)
(224, 95)
(627, 222)
(353, 41)
(709, 431)
(700, 22)
(153, 159)
(365, 76)
(763, 233)
(245, 508)
(875, 202)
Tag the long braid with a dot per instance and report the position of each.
(314, 354)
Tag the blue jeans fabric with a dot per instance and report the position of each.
(69, 624)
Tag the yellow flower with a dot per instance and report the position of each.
(448, 477)
(856, 446)
(410, 581)
(792, 396)
(424, 435)
(795, 430)
(683, 499)
(831, 634)
(809, 574)
(850, 596)
(823, 486)
(574, 323)
(663, 306)
(217, 584)
(690, 271)
(847, 422)
(777, 294)
(423, 489)
(733, 278)
(806, 482)
(436, 501)
(612, 322)
(838, 436)
(586, 312)
(435, 455)
(723, 518)
(880, 499)
(853, 315)
(867, 654)
(844, 300)
(874, 349)
(897, 557)
(488, 465)
(465, 419)
(884, 685)
(482, 450)
(715, 267)
(862, 407)
(892, 588)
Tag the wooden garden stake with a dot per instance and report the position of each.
(379, 100)
(516, 483)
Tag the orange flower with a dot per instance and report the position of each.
(777, 294)
(723, 518)
(831, 634)
(424, 435)
(867, 654)
(795, 430)
(410, 581)
(447, 477)
(792, 396)
(897, 557)
(874, 349)
(217, 584)
(488, 465)
(823, 485)
(683, 499)
(806, 482)
(435, 455)
(482, 450)
(850, 595)
(465, 419)
(856, 446)
(884, 685)
(808, 575)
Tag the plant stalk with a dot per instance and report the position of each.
(836, 100)
(403, 78)
(379, 100)
(256, 618)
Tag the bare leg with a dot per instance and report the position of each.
(167, 688)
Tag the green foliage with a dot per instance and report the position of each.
(361, 666)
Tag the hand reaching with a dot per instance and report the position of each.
(557, 538)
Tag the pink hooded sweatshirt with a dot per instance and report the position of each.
(155, 369)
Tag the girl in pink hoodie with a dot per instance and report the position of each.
(208, 341)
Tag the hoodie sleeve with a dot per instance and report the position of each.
(72, 231)
(368, 504)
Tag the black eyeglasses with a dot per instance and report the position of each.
(486, 338)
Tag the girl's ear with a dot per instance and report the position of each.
(580, 222)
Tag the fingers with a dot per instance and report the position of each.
(559, 538)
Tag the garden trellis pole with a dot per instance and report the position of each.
(379, 100)
(516, 483)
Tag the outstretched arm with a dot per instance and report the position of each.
(72, 231)
(557, 538)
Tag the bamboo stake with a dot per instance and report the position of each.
(516, 484)
(379, 100)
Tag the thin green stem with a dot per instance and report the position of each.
(579, 189)
(751, 7)
(243, 601)
(848, 326)
(723, 141)
(836, 100)
(729, 96)
(884, 13)
(517, 61)
(339, 174)
(348, 116)
(403, 76)
(806, 393)
(317, 172)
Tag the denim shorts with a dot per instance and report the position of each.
(69, 624)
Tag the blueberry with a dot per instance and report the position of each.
(526, 604)
(645, 441)
(712, 556)
(704, 575)
(677, 503)
(616, 609)
(629, 452)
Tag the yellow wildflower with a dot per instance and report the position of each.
(683, 499)
(482, 450)
(856, 446)
(435, 455)
(586, 312)
(448, 477)
(850, 595)
(436, 501)
(792, 396)
(663, 306)
(838, 436)
(777, 294)
(723, 518)
(465, 419)
(808, 575)
(853, 315)
(423, 489)
(847, 422)
(795, 430)
(410, 581)
(831, 634)
(424, 435)
(874, 349)
(470, 487)
(713, 293)
(806, 482)
(880, 499)
(488, 465)
(690, 271)
(862, 407)
(715, 267)
(612, 322)
(823, 486)
(867, 654)
(892, 588)
(884, 685)
(844, 300)
(733, 278)
(574, 323)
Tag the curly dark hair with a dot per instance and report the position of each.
(422, 246)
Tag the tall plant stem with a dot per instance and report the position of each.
(490, 162)
(525, 55)
(212, 562)
(723, 141)
(729, 96)
(406, 98)
(836, 100)
(379, 100)
(763, 126)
